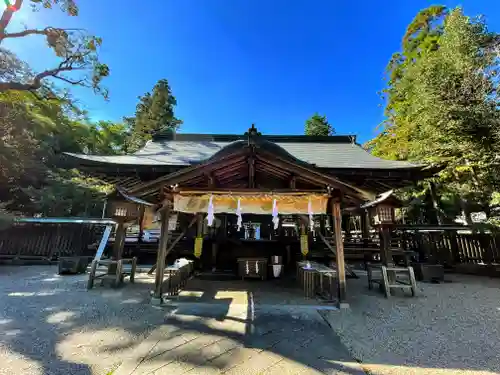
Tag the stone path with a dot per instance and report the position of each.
(213, 339)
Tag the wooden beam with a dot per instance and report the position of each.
(339, 245)
(251, 172)
(211, 180)
(188, 173)
(315, 176)
(162, 250)
(172, 245)
(243, 191)
(119, 244)
(269, 168)
(293, 181)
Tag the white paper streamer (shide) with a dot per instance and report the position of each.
(210, 211)
(276, 218)
(238, 214)
(309, 209)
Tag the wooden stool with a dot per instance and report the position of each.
(114, 272)
(389, 278)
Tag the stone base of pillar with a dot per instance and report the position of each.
(155, 301)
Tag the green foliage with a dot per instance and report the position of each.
(77, 51)
(318, 125)
(442, 105)
(154, 113)
(35, 129)
(67, 193)
(33, 134)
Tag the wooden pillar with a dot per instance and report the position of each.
(162, 250)
(337, 223)
(385, 245)
(214, 254)
(141, 223)
(365, 225)
(120, 234)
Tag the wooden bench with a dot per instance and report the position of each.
(114, 271)
(388, 278)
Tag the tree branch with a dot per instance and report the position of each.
(37, 80)
(7, 16)
(46, 31)
(79, 82)
(25, 33)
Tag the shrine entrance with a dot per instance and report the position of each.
(258, 212)
(255, 211)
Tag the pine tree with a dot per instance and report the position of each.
(154, 113)
(318, 125)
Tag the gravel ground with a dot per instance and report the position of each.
(50, 324)
(449, 328)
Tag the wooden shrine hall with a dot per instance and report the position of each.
(248, 196)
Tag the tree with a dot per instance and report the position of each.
(421, 37)
(33, 134)
(318, 125)
(76, 50)
(442, 107)
(154, 113)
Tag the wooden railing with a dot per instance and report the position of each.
(433, 244)
(49, 240)
(53, 238)
(449, 245)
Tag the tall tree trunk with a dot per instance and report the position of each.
(465, 211)
(435, 203)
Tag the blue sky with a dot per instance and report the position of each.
(231, 63)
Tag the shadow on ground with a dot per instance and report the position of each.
(51, 324)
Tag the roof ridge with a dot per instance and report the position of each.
(298, 138)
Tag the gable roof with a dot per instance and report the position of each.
(334, 152)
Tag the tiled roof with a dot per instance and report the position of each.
(323, 152)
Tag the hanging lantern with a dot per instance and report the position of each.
(123, 210)
(382, 214)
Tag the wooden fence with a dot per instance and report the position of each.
(450, 246)
(49, 240)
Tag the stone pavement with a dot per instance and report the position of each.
(199, 338)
